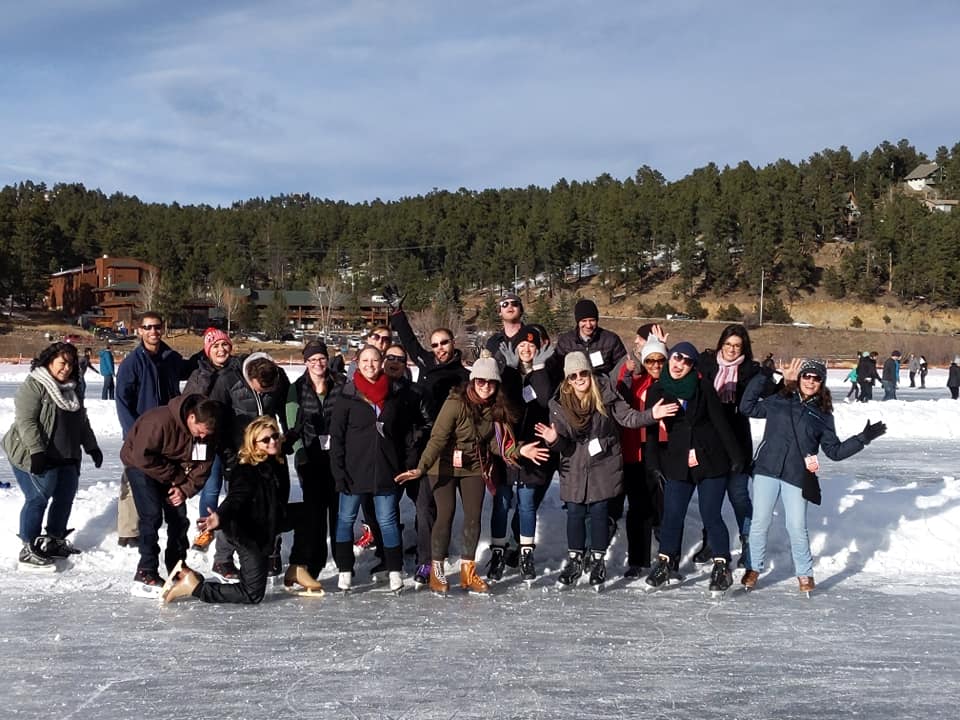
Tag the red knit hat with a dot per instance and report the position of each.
(212, 335)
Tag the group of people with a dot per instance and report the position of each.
(639, 430)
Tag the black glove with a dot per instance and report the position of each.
(736, 467)
(38, 463)
(97, 456)
(871, 431)
(391, 293)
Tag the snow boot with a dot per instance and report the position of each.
(598, 572)
(704, 555)
(720, 577)
(469, 580)
(527, 568)
(497, 564)
(438, 578)
(572, 568)
(32, 559)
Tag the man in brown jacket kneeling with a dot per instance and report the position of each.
(167, 455)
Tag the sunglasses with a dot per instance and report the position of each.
(378, 337)
(654, 361)
(395, 358)
(275, 437)
(509, 303)
(442, 343)
(156, 326)
(811, 376)
(483, 382)
(685, 359)
(578, 375)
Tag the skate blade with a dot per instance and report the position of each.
(171, 579)
(145, 591)
(304, 592)
(716, 594)
(598, 588)
(37, 569)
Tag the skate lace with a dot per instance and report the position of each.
(441, 575)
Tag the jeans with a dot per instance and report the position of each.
(56, 487)
(107, 392)
(502, 502)
(766, 490)
(153, 507)
(210, 495)
(676, 498)
(577, 514)
(385, 505)
(739, 495)
(889, 389)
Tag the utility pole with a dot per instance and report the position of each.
(761, 297)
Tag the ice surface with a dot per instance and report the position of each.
(878, 638)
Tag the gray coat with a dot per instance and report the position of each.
(586, 478)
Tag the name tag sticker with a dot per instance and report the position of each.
(199, 452)
(324, 442)
(594, 447)
(596, 358)
(529, 394)
(458, 458)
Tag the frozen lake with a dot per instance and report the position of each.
(878, 638)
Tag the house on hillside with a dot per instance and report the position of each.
(923, 177)
(940, 205)
(104, 292)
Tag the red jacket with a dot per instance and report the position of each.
(634, 390)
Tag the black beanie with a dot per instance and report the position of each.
(314, 347)
(528, 333)
(585, 309)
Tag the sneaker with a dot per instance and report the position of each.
(598, 573)
(366, 538)
(527, 569)
(422, 576)
(660, 573)
(749, 579)
(496, 565)
(34, 560)
(203, 541)
(572, 568)
(146, 584)
(226, 571)
(720, 577)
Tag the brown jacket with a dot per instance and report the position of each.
(160, 445)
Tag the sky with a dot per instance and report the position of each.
(219, 101)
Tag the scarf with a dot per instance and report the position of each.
(683, 389)
(577, 415)
(375, 392)
(62, 394)
(726, 380)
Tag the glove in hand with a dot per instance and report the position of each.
(871, 431)
(38, 464)
(509, 355)
(97, 456)
(391, 293)
(544, 354)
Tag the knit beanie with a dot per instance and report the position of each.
(527, 334)
(814, 367)
(687, 349)
(585, 309)
(315, 347)
(214, 335)
(575, 362)
(653, 347)
(485, 368)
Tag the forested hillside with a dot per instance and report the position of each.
(715, 229)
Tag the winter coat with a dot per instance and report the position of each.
(435, 379)
(891, 371)
(34, 416)
(202, 380)
(455, 429)
(146, 381)
(700, 425)
(531, 393)
(106, 363)
(162, 447)
(254, 511)
(634, 389)
(739, 423)
(604, 349)
(368, 450)
(308, 417)
(867, 371)
(586, 478)
(953, 376)
(794, 430)
(243, 405)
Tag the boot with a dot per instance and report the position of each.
(749, 579)
(185, 582)
(496, 564)
(806, 584)
(660, 573)
(598, 573)
(298, 575)
(527, 569)
(720, 578)
(572, 568)
(744, 551)
(438, 579)
(704, 554)
(469, 580)
(32, 559)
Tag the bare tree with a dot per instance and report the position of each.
(329, 295)
(149, 291)
(428, 320)
(230, 302)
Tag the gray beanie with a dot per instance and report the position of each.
(485, 368)
(815, 367)
(575, 362)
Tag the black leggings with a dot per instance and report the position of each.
(472, 490)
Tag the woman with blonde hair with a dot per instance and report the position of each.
(585, 418)
(254, 512)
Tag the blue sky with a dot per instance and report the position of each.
(211, 102)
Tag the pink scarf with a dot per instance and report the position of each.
(726, 380)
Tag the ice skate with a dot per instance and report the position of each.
(497, 563)
(528, 570)
(438, 579)
(55, 547)
(598, 572)
(181, 582)
(470, 581)
(146, 584)
(572, 569)
(749, 580)
(663, 574)
(345, 581)
(421, 577)
(298, 581)
(806, 584)
(720, 579)
(396, 582)
(31, 559)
